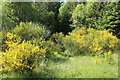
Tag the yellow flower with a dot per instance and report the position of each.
(109, 52)
(19, 55)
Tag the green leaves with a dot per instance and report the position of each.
(28, 30)
(65, 13)
(9, 20)
(97, 15)
(47, 14)
(111, 19)
(86, 15)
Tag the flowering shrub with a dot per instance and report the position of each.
(105, 41)
(77, 42)
(28, 30)
(107, 57)
(55, 46)
(70, 45)
(110, 58)
(21, 57)
(90, 41)
(9, 40)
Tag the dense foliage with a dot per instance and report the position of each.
(111, 19)
(65, 13)
(35, 33)
(9, 20)
(20, 57)
(97, 15)
(90, 41)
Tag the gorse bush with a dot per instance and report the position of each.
(90, 41)
(29, 30)
(70, 45)
(105, 41)
(109, 57)
(76, 42)
(20, 56)
(35, 36)
(54, 45)
(9, 39)
(57, 37)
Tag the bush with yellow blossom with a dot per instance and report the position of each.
(90, 41)
(9, 40)
(28, 30)
(20, 56)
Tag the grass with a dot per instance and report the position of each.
(75, 67)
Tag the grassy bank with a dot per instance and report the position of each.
(75, 67)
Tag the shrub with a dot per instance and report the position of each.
(55, 46)
(28, 30)
(109, 57)
(57, 38)
(58, 49)
(70, 45)
(9, 39)
(83, 40)
(21, 57)
(105, 41)
(53, 50)
(75, 42)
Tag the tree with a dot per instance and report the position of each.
(9, 20)
(25, 11)
(65, 13)
(86, 15)
(15, 12)
(111, 18)
(47, 14)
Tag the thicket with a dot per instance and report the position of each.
(97, 15)
(90, 41)
(36, 31)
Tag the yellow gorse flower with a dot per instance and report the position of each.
(20, 56)
(94, 40)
